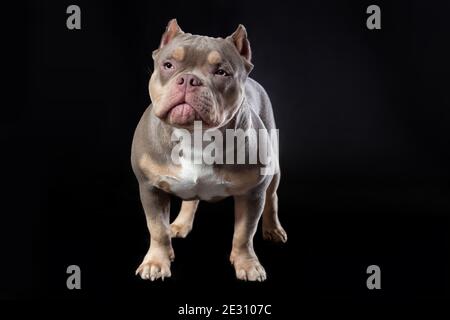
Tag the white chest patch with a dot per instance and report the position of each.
(197, 181)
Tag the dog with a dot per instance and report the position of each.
(204, 80)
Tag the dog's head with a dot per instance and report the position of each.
(199, 77)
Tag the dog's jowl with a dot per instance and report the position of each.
(204, 80)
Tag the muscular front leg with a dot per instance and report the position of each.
(248, 210)
(156, 263)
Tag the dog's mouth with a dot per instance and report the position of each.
(184, 114)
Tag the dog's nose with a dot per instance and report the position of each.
(189, 80)
(194, 81)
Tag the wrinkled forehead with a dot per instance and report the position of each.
(197, 50)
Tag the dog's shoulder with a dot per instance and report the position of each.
(259, 102)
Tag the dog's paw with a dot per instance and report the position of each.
(152, 270)
(180, 230)
(247, 266)
(156, 264)
(274, 233)
(249, 270)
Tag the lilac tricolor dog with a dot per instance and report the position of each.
(200, 78)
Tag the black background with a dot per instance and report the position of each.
(364, 133)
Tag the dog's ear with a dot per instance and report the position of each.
(172, 30)
(240, 41)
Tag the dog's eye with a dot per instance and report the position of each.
(168, 65)
(221, 72)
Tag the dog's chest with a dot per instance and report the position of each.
(193, 179)
(197, 181)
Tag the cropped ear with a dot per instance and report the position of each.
(172, 30)
(240, 41)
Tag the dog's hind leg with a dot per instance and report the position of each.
(272, 229)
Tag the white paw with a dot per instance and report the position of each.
(156, 264)
(152, 270)
(248, 269)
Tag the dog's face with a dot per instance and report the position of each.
(198, 77)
